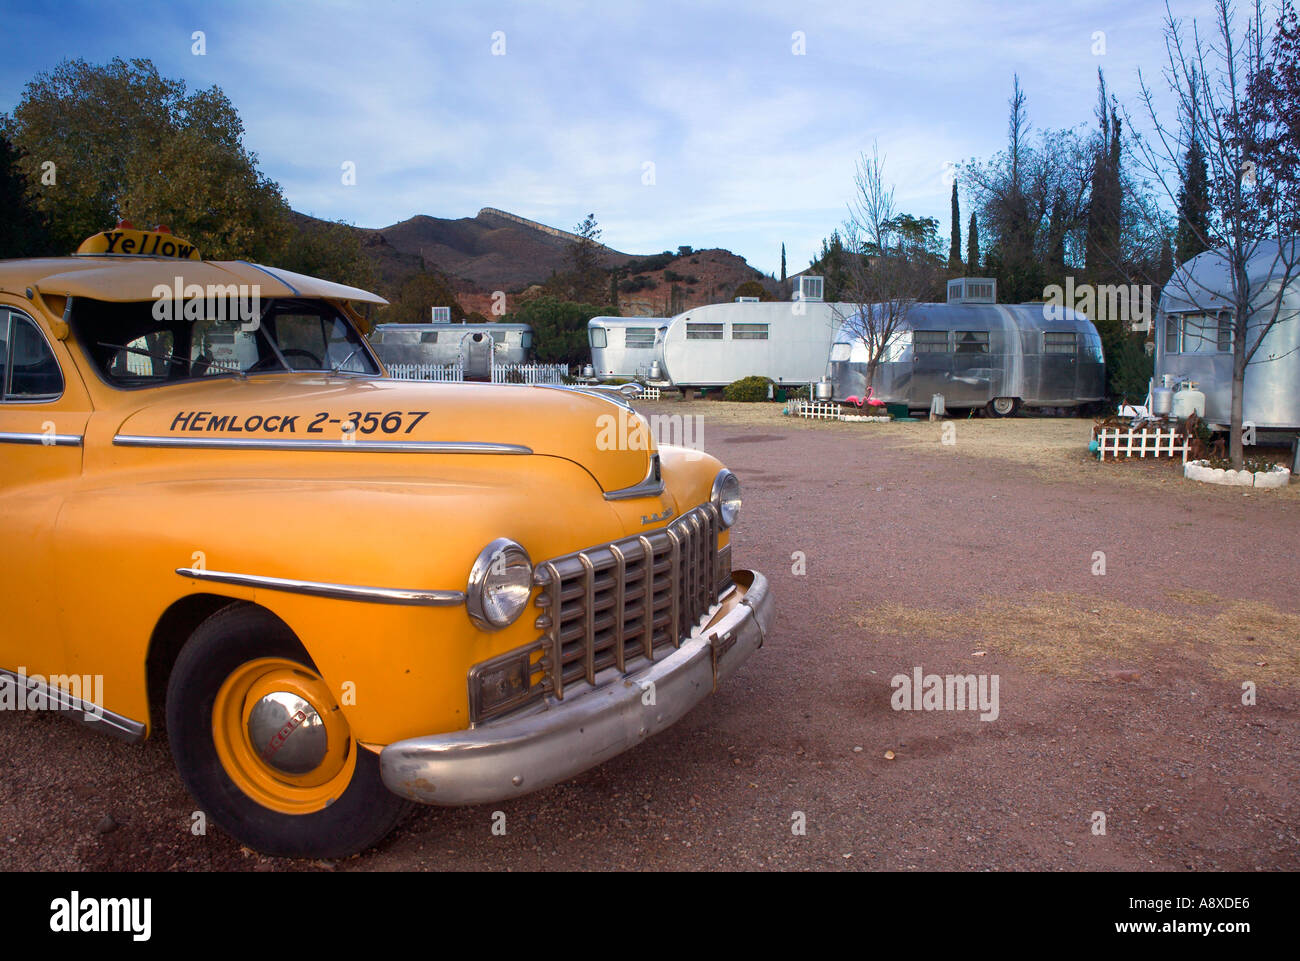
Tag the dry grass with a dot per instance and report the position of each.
(1072, 635)
(1054, 448)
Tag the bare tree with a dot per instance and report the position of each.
(1247, 224)
(888, 268)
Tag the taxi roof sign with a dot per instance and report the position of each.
(124, 239)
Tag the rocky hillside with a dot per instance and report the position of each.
(496, 250)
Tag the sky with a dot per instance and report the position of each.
(731, 125)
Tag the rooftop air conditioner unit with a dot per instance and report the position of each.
(807, 288)
(973, 290)
(442, 315)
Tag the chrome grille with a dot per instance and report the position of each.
(617, 605)
(627, 601)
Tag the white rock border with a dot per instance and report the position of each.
(1199, 470)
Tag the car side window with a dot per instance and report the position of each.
(30, 371)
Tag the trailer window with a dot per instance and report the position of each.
(1092, 347)
(1059, 342)
(598, 337)
(526, 339)
(401, 338)
(972, 341)
(1198, 333)
(897, 346)
(930, 341)
(703, 331)
(749, 331)
(429, 337)
(640, 337)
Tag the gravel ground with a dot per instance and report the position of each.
(887, 550)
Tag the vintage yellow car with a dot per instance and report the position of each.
(337, 592)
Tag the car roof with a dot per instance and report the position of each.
(134, 278)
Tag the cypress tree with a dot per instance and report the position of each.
(973, 246)
(1193, 204)
(954, 246)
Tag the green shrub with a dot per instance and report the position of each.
(747, 390)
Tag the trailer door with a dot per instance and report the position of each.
(476, 354)
(931, 366)
(1059, 367)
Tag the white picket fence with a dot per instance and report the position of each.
(530, 373)
(648, 393)
(443, 373)
(817, 409)
(501, 373)
(1123, 442)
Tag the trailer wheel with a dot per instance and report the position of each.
(1003, 406)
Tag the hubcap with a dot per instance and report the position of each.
(1003, 405)
(289, 732)
(281, 736)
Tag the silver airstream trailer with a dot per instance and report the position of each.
(626, 347)
(978, 355)
(1194, 336)
(476, 347)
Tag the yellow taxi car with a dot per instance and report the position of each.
(338, 592)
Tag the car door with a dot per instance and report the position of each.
(43, 413)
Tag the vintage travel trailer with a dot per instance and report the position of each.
(626, 347)
(1194, 336)
(978, 353)
(474, 346)
(786, 341)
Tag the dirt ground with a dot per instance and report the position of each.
(1126, 614)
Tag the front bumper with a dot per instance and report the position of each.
(507, 758)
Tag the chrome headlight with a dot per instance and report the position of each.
(726, 496)
(500, 583)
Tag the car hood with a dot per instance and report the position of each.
(295, 411)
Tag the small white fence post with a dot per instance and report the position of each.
(1159, 442)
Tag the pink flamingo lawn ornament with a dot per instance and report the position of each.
(867, 399)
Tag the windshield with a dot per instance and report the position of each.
(136, 344)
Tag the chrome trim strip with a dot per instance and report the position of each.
(589, 612)
(91, 715)
(41, 440)
(345, 592)
(649, 487)
(620, 591)
(648, 579)
(601, 391)
(368, 447)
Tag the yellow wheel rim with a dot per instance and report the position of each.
(246, 763)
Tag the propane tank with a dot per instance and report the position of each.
(823, 389)
(655, 373)
(588, 371)
(1162, 401)
(1187, 400)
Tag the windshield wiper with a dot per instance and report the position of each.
(167, 358)
(338, 368)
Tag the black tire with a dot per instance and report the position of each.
(1009, 406)
(360, 817)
